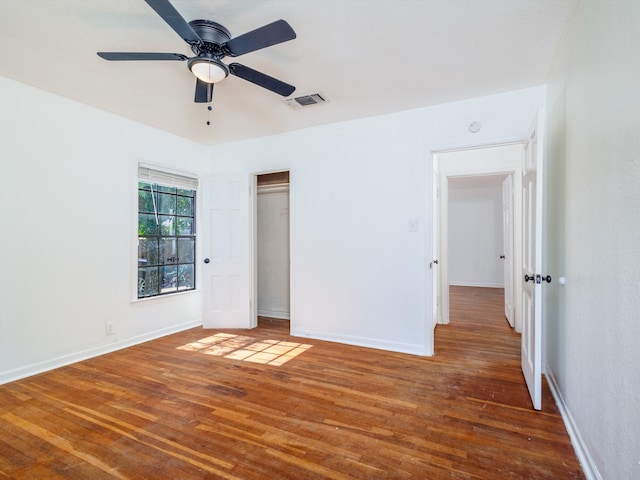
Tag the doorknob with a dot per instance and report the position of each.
(206, 260)
(539, 278)
(502, 257)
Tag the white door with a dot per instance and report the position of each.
(507, 255)
(532, 263)
(226, 267)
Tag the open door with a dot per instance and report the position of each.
(226, 252)
(531, 345)
(507, 256)
(435, 253)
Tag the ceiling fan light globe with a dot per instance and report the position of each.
(208, 70)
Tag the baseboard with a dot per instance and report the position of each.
(584, 457)
(467, 284)
(64, 360)
(361, 341)
(274, 314)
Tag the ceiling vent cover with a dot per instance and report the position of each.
(305, 100)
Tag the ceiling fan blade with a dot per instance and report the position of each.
(271, 34)
(141, 56)
(204, 92)
(261, 79)
(170, 15)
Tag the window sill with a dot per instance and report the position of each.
(162, 298)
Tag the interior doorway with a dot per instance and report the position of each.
(457, 170)
(526, 308)
(272, 248)
(476, 231)
(480, 262)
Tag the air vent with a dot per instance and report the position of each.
(305, 100)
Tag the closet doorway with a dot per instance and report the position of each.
(272, 246)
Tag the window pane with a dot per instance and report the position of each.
(145, 201)
(147, 282)
(147, 224)
(166, 239)
(168, 251)
(185, 226)
(185, 206)
(167, 203)
(147, 252)
(169, 279)
(186, 250)
(167, 225)
(185, 277)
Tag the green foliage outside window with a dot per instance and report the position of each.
(166, 240)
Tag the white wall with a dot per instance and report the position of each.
(68, 209)
(475, 232)
(593, 235)
(358, 274)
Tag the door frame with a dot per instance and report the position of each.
(254, 244)
(461, 166)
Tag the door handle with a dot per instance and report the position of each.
(502, 257)
(537, 278)
(206, 260)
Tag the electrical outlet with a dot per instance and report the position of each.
(108, 327)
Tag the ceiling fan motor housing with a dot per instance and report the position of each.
(213, 35)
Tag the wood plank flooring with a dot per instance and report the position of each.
(261, 405)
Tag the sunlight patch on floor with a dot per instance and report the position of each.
(240, 347)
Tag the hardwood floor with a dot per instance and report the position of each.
(260, 404)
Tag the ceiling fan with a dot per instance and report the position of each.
(211, 42)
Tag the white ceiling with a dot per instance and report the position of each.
(368, 57)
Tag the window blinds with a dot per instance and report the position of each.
(167, 178)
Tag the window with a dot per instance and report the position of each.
(166, 233)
